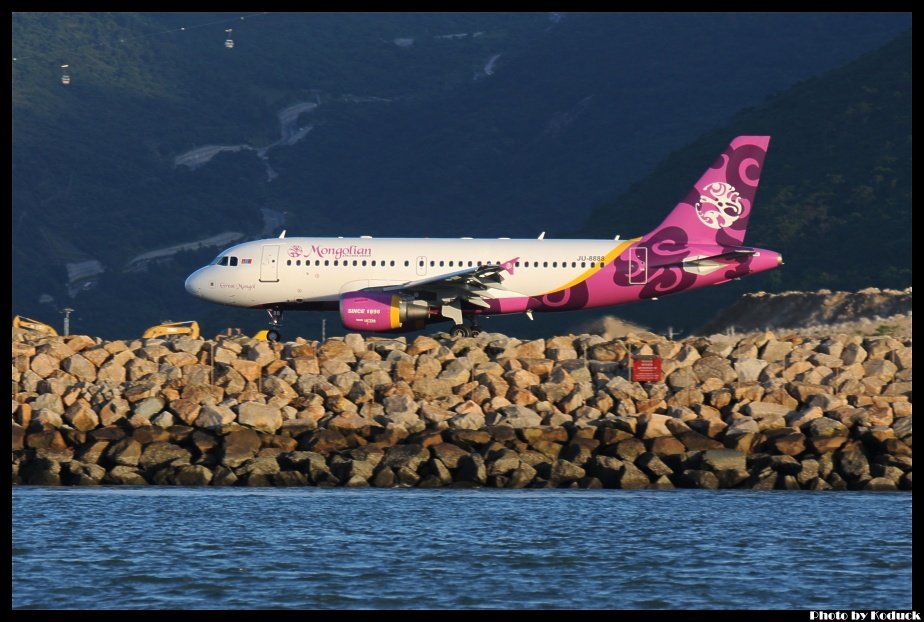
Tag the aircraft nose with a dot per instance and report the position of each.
(192, 283)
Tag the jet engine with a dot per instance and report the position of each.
(381, 311)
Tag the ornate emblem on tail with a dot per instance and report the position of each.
(719, 206)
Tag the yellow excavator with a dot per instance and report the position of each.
(34, 325)
(190, 328)
(236, 332)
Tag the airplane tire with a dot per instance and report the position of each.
(460, 330)
(273, 335)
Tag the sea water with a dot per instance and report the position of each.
(308, 548)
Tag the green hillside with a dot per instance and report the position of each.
(835, 194)
(426, 124)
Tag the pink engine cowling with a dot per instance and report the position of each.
(379, 311)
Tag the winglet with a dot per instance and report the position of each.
(282, 235)
(509, 265)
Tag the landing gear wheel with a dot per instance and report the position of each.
(475, 331)
(460, 330)
(275, 321)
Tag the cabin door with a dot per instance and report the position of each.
(269, 264)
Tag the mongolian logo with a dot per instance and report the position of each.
(336, 252)
(719, 206)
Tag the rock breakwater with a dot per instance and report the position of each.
(761, 411)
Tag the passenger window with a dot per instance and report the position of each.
(336, 263)
(364, 262)
(298, 262)
(327, 262)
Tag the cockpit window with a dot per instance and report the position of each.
(223, 261)
(233, 261)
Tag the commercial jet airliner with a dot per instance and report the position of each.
(402, 284)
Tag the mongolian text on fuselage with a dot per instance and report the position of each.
(333, 252)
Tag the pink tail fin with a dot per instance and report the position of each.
(717, 208)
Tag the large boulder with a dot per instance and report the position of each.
(409, 456)
(472, 469)
(81, 368)
(211, 416)
(161, 453)
(82, 416)
(449, 454)
(713, 366)
(238, 447)
(126, 452)
(723, 459)
(564, 472)
(516, 416)
(261, 417)
(630, 477)
(826, 434)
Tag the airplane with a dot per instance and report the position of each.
(404, 284)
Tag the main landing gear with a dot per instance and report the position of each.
(461, 330)
(275, 321)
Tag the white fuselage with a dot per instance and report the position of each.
(297, 271)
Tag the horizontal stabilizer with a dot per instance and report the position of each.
(740, 252)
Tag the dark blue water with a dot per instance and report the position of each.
(192, 548)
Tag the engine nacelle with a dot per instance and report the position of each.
(381, 311)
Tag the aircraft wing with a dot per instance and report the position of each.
(471, 285)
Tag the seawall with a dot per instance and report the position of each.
(760, 411)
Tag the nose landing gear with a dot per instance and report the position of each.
(275, 321)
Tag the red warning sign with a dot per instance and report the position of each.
(646, 368)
